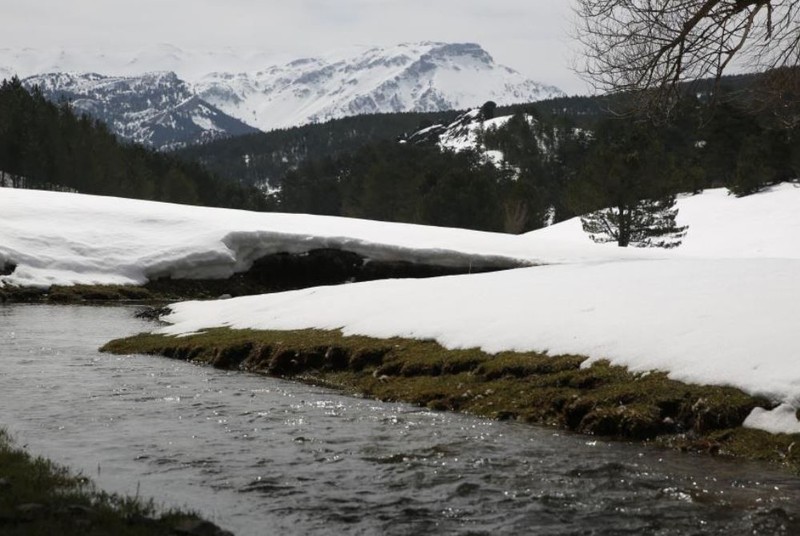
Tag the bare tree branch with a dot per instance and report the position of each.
(650, 47)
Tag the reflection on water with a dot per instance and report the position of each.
(258, 455)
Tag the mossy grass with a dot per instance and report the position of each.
(152, 293)
(76, 294)
(561, 391)
(38, 497)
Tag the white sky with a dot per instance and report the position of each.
(531, 36)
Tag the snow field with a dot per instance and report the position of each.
(721, 309)
(57, 238)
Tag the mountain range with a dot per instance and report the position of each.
(420, 77)
(155, 109)
(182, 106)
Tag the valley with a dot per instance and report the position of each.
(399, 268)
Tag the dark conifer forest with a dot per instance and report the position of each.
(561, 158)
(45, 145)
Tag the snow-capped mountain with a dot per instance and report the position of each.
(180, 106)
(421, 77)
(156, 109)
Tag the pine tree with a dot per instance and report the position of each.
(628, 172)
(753, 170)
(45, 145)
(647, 223)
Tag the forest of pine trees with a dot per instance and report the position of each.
(562, 158)
(553, 170)
(45, 145)
(255, 158)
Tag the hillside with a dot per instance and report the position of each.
(155, 109)
(266, 157)
(547, 164)
(47, 146)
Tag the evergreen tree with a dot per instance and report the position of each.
(488, 110)
(45, 145)
(628, 172)
(646, 223)
(753, 167)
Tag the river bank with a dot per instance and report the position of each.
(272, 273)
(256, 454)
(40, 497)
(599, 400)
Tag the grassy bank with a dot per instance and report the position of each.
(158, 292)
(39, 497)
(600, 399)
(81, 294)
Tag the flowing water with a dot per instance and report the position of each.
(263, 456)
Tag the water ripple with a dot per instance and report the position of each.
(257, 455)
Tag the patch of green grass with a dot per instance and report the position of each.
(156, 292)
(759, 445)
(79, 294)
(40, 497)
(599, 399)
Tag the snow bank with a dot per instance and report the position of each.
(766, 224)
(60, 238)
(57, 238)
(729, 322)
(720, 309)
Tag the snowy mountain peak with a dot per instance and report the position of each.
(422, 77)
(419, 77)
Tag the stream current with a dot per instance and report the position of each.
(259, 455)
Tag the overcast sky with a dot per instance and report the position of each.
(531, 36)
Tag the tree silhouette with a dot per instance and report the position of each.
(650, 47)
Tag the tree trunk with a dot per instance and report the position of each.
(515, 216)
(624, 237)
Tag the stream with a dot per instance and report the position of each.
(259, 455)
